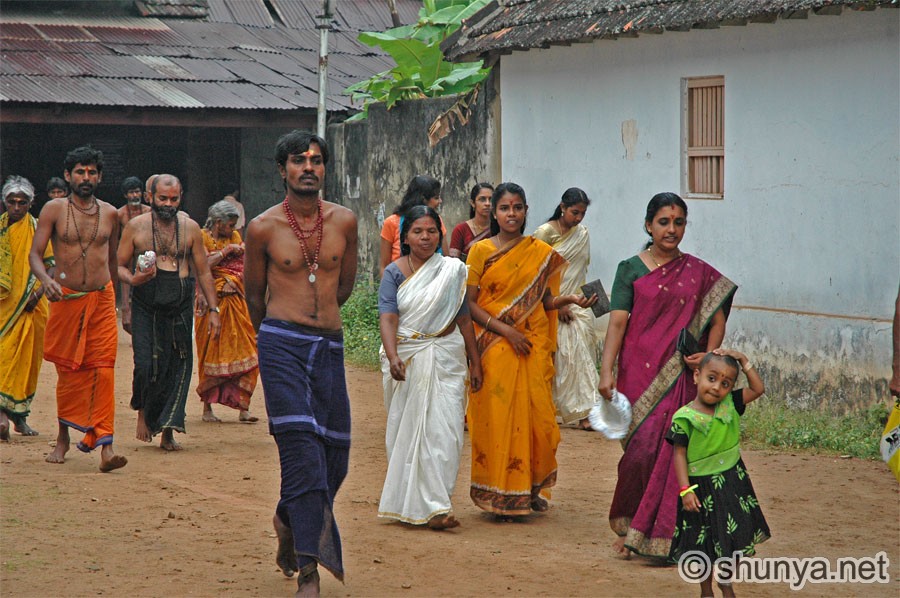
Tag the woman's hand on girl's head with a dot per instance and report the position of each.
(690, 502)
(693, 361)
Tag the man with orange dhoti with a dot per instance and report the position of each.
(23, 309)
(82, 334)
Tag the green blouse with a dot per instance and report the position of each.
(713, 441)
(623, 285)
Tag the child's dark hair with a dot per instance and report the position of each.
(420, 189)
(84, 155)
(413, 214)
(57, 183)
(474, 193)
(501, 190)
(727, 359)
(658, 202)
(572, 197)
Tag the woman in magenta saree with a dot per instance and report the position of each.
(656, 294)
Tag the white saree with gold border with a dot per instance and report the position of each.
(576, 380)
(425, 413)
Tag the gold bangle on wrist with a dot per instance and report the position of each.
(488, 322)
(749, 366)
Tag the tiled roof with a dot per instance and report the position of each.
(236, 55)
(504, 26)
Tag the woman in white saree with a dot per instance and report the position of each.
(576, 379)
(427, 336)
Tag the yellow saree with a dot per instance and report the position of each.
(512, 419)
(228, 367)
(21, 331)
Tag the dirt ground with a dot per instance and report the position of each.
(198, 522)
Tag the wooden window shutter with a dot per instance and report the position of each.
(704, 137)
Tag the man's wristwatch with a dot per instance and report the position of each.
(215, 309)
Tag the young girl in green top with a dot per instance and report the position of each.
(719, 514)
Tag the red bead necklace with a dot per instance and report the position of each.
(302, 235)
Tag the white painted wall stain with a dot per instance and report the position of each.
(629, 137)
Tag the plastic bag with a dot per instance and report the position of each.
(611, 418)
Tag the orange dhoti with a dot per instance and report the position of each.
(81, 340)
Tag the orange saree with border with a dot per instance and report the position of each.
(228, 366)
(512, 419)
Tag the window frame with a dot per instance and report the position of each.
(688, 125)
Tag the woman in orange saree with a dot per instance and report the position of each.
(228, 366)
(513, 283)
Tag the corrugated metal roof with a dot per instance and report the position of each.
(510, 25)
(251, 12)
(228, 61)
(196, 9)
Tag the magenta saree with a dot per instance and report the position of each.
(684, 293)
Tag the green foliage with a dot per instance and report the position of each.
(420, 71)
(770, 423)
(362, 337)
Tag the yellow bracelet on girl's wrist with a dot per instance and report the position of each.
(687, 490)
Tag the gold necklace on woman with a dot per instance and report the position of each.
(409, 261)
(653, 259)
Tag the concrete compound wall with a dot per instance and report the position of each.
(374, 160)
(809, 227)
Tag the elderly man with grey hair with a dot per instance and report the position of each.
(162, 309)
(228, 365)
(23, 309)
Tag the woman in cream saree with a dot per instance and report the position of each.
(577, 336)
(423, 357)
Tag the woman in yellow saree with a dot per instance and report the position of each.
(228, 366)
(513, 283)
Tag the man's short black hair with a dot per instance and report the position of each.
(84, 155)
(130, 183)
(297, 142)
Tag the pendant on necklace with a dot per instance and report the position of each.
(62, 275)
(83, 254)
(312, 278)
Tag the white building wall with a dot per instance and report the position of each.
(810, 224)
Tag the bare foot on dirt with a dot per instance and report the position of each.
(167, 442)
(585, 424)
(208, 415)
(442, 522)
(619, 546)
(58, 455)
(109, 460)
(285, 558)
(143, 432)
(247, 418)
(539, 504)
(4, 427)
(24, 429)
(308, 585)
